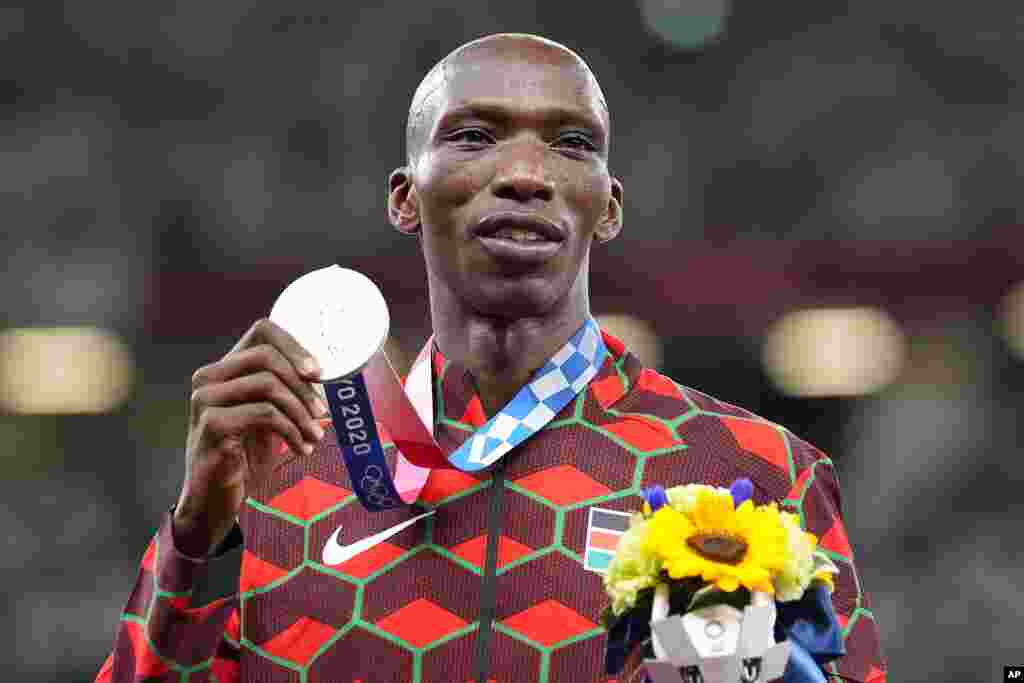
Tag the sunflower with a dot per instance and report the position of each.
(724, 545)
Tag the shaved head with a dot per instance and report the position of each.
(429, 94)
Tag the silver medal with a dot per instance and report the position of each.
(338, 315)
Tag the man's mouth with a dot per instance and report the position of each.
(519, 227)
(521, 238)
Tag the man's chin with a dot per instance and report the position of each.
(512, 299)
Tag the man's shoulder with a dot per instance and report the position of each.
(651, 388)
(701, 420)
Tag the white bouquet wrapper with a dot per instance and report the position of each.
(717, 644)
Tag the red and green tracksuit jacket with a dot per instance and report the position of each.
(493, 585)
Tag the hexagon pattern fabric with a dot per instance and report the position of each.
(408, 609)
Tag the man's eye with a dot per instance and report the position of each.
(577, 142)
(472, 136)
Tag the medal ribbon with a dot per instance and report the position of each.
(407, 414)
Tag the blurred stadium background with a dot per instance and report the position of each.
(823, 224)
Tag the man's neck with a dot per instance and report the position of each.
(502, 355)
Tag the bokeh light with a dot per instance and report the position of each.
(834, 352)
(1011, 320)
(685, 23)
(637, 334)
(63, 370)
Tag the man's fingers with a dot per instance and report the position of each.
(257, 388)
(226, 422)
(266, 331)
(254, 360)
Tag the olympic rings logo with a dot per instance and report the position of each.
(375, 490)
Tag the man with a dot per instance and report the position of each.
(507, 188)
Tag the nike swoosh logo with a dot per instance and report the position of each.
(335, 553)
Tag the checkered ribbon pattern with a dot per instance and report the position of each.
(552, 387)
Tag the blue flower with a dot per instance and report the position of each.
(741, 490)
(655, 497)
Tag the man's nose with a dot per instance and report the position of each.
(522, 174)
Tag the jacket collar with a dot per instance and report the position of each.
(457, 400)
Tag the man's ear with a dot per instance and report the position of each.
(403, 203)
(611, 223)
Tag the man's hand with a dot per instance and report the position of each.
(257, 390)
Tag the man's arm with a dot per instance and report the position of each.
(241, 409)
(182, 614)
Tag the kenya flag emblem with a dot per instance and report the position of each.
(604, 529)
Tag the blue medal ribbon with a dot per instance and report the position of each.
(361, 447)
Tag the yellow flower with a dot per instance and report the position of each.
(725, 546)
(798, 570)
(631, 569)
(684, 498)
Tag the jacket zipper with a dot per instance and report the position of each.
(488, 588)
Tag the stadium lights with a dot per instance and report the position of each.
(834, 352)
(63, 370)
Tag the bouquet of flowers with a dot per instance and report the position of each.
(719, 589)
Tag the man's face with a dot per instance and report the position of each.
(512, 185)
